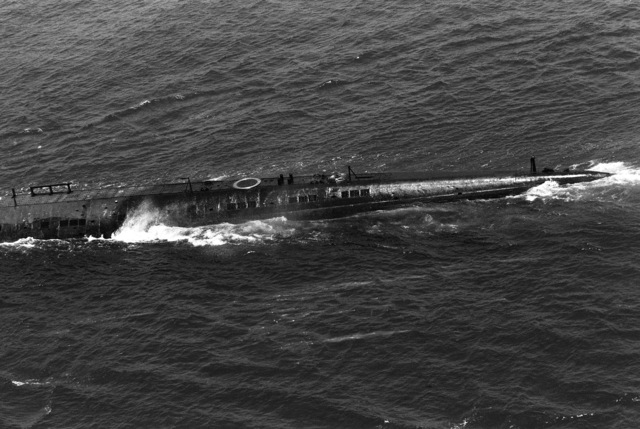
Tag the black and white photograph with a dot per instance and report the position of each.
(284, 214)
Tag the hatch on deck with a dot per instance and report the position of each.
(58, 188)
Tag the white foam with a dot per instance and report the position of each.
(30, 383)
(91, 238)
(622, 175)
(460, 425)
(138, 225)
(26, 243)
(147, 224)
(549, 189)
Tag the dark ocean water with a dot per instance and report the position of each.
(514, 313)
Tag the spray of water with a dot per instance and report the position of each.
(147, 224)
(23, 243)
(623, 176)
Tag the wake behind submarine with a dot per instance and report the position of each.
(58, 211)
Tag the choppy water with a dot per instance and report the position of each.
(514, 313)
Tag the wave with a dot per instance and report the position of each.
(24, 416)
(333, 83)
(30, 131)
(150, 103)
(490, 417)
(621, 173)
(30, 244)
(359, 336)
(623, 176)
(145, 104)
(23, 243)
(148, 225)
(30, 382)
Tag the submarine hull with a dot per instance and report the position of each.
(60, 212)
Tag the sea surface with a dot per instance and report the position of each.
(520, 312)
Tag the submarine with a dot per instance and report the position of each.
(63, 211)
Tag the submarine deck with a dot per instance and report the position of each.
(47, 195)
